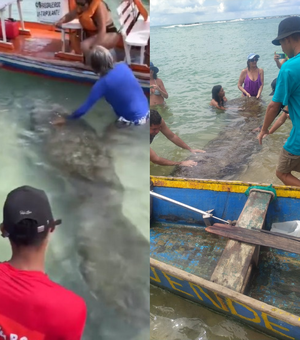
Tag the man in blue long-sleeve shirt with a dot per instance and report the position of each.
(118, 86)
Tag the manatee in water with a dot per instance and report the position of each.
(114, 254)
(229, 153)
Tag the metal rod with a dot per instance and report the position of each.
(185, 206)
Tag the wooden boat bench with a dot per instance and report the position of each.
(135, 31)
(72, 25)
(3, 4)
(63, 54)
(235, 265)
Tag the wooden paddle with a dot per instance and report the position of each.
(252, 236)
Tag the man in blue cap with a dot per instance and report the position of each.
(287, 92)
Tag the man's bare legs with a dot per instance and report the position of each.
(288, 179)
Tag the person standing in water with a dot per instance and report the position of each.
(32, 306)
(158, 93)
(118, 86)
(218, 97)
(287, 93)
(157, 124)
(252, 77)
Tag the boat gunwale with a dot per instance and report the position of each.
(220, 185)
(14, 59)
(263, 307)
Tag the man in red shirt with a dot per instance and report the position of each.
(32, 307)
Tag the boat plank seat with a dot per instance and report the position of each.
(234, 267)
(135, 31)
(8, 3)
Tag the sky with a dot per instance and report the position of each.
(168, 12)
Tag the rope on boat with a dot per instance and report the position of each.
(266, 190)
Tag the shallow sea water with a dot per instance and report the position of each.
(191, 60)
(23, 162)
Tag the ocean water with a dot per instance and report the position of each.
(22, 163)
(25, 162)
(192, 59)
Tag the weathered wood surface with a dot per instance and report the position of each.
(256, 238)
(277, 280)
(235, 265)
(267, 317)
(187, 248)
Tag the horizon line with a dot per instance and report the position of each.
(200, 22)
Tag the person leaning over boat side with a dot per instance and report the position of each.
(287, 92)
(252, 77)
(120, 88)
(32, 306)
(95, 18)
(158, 93)
(218, 97)
(157, 124)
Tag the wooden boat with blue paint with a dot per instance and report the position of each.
(39, 50)
(256, 285)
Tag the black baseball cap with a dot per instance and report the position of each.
(286, 28)
(27, 203)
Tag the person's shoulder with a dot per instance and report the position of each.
(67, 296)
(244, 71)
(291, 63)
(4, 267)
(286, 67)
(122, 66)
(122, 69)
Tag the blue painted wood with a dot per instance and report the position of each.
(199, 294)
(178, 239)
(277, 281)
(188, 248)
(227, 206)
(55, 71)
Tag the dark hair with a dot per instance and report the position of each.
(154, 74)
(215, 94)
(295, 36)
(155, 118)
(25, 234)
